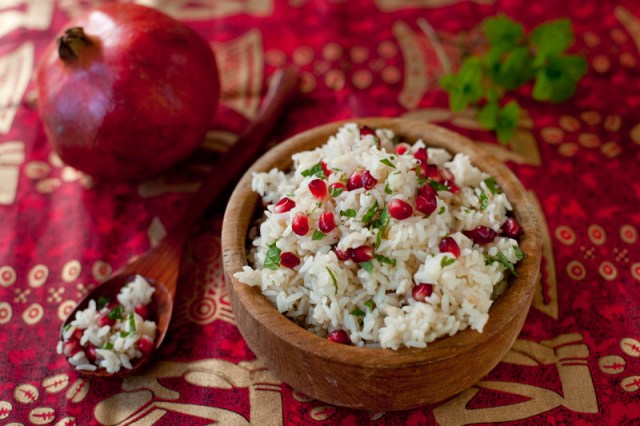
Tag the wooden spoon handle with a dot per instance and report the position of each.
(231, 165)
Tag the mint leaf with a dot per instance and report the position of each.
(465, 87)
(502, 32)
(519, 253)
(441, 210)
(382, 259)
(369, 304)
(516, 69)
(272, 259)
(132, 323)
(318, 235)
(383, 220)
(551, 38)
(502, 259)
(116, 313)
(333, 278)
(446, 261)
(507, 121)
(348, 213)
(491, 184)
(387, 189)
(488, 115)
(378, 239)
(367, 266)
(357, 312)
(437, 185)
(108, 346)
(102, 302)
(484, 201)
(386, 162)
(335, 191)
(558, 80)
(314, 171)
(368, 216)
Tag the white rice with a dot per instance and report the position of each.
(375, 307)
(115, 345)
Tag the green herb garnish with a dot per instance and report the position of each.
(378, 239)
(502, 259)
(318, 235)
(446, 261)
(382, 259)
(102, 302)
(383, 220)
(272, 260)
(491, 184)
(108, 346)
(333, 278)
(368, 216)
(437, 185)
(132, 323)
(335, 191)
(367, 266)
(369, 304)
(519, 253)
(387, 189)
(386, 162)
(116, 313)
(484, 201)
(512, 60)
(316, 171)
(442, 209)
(348, 213)
(357, 312)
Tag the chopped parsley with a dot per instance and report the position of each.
(272, 260)
(318, 235)
(437, 185)
(382, 259)
(490, 182)
(348, 213)
(368, 216)
(367, 266)
(334, 191)
(102, 302)
(316, 171)
(386, 162)
(116, 313)
(333, 278)
(484, 201)
(446, 261)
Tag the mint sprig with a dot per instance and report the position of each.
(514, 59)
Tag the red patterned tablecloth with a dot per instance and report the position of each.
(577, 360)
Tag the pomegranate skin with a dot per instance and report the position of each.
(135, 100)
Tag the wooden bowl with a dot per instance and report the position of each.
(378, 379)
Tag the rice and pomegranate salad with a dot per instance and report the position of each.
(374, 242)
(110, 334)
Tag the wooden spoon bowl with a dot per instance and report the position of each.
(378, 379)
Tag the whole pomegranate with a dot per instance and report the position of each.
(126, 92)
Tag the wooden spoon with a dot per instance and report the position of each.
(161, 265)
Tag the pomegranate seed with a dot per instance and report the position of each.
(452, 186)
(426, 204)
(433, 173)
(77, 335)
(105, 320)
(289, 260)
(71, 348)
(336, 188)
(362, 254)
(339, 336)
(300, 224)
(449, 245)
(366, 131)
(327, 171)
(402, 148)
(427, 191)
(355, 181)
(421, 155)
(481, 234)
(368, 180)
(326, 223)
(142, 310)
(284, 205)
(90, 352)
(145, 345)
(421, 291)
(318, 188)
(342, 255)
(399, 209)
(511, 228)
